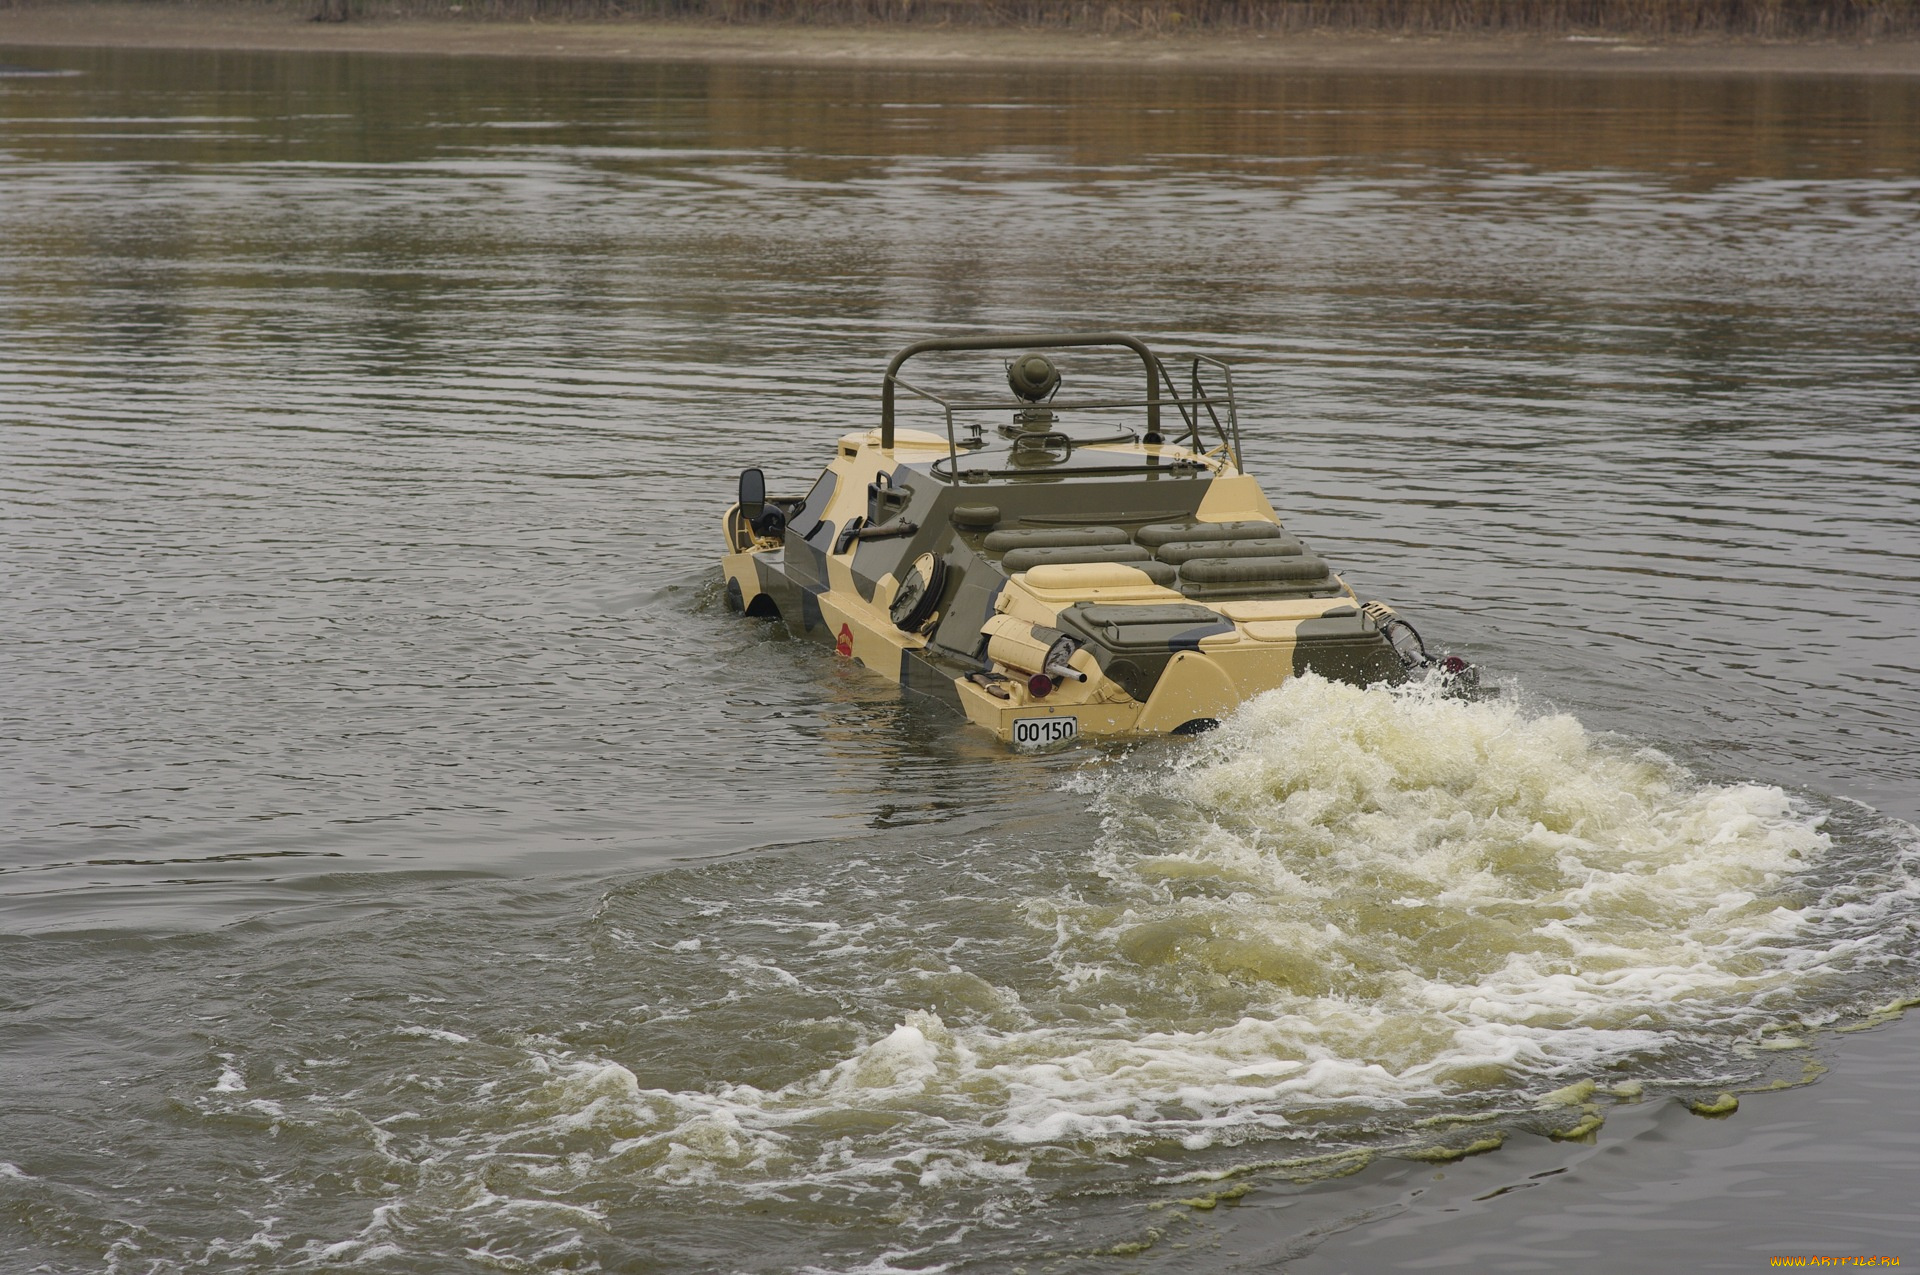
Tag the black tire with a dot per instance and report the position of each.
(919, 594)
(771, 524)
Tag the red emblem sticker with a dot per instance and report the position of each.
(845, 645)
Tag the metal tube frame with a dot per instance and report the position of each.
(1156, 371)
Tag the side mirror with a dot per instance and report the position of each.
(753, 493)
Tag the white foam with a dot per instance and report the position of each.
(1446, 887)
(1394, 896)
(435, 1033)
(1343, 917)
(230, 1080)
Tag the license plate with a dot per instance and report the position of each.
(1031, 731)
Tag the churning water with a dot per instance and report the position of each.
(410, 865)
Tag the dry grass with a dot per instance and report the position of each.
(1776, 19)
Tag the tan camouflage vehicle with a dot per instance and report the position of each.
(1057, 568)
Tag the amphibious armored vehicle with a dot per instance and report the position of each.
(1055, 568)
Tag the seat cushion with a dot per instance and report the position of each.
(1279, 570)
(1186, 550)
(1023, 559)
(1053, 538)
(1083, 577)
(1155, 534)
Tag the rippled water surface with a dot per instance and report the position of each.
(408, 863)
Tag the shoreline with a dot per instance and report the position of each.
(221, 28)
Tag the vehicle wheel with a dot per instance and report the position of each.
(914, 601)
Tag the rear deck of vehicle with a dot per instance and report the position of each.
(1092, 567)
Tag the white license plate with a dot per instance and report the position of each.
(1030, 731)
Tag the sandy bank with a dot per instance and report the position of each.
(219, 27)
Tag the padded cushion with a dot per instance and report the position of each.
(1289, 570)
(1023, 559)
(1187, 550)
(1238, 590)
(1068, 577)
(1156, 534)
(1053, 538)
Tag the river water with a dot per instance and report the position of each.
(409, 865)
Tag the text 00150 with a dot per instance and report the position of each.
(1044, 730)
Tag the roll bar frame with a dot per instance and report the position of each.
(1008, 341)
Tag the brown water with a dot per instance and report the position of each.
(408, 864)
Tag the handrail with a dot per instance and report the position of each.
(1176, 400)
(1007, 341)
(1052, 404)
(1230, 432)
(953, 448)
(1177, 466)
(1191, 418)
